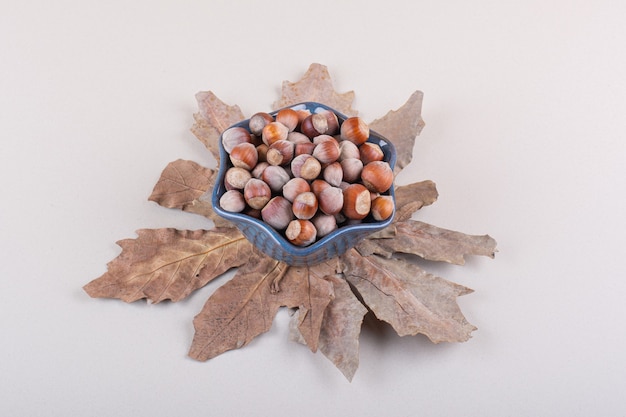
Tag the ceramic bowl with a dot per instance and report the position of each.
(273, 242)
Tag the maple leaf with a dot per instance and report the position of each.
(408, 298)
(166, 264)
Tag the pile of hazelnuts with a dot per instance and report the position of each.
(306, 174)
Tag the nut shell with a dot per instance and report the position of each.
(301, 232)
(277, 213)
(257, 193)
(356, 202)
(377, 176)
(305, 205)
(355, 130)
(244, 155)
(382, 207)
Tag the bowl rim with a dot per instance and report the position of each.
(273, 234)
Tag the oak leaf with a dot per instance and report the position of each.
(316, 85)
(245, 307)
(408, 298)
(401, 127)
(412, 197)
(163, 264)
(430, 242)
(188, 186)
(341, 326)
(181, 183)
(214, 117)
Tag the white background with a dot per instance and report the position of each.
(525, 110)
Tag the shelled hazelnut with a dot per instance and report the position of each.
(306, 175)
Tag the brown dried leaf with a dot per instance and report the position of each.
(245, 306)
(207, 134)
(308, 319)
(181, 183)
(166, 264)
(408, 298)
(401, 127)
(188, 186)
(412, 197)
(214, 117)
(339, 337)
(316, 85)
(432, 243)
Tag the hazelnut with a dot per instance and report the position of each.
(277, 213)
(317, 186)
(355, 130)
(352, 168)
(232, 201)
(234, 136)
(273, 132)
(280, 152)
(382, 207)
(257, 193)
(244, 155)
(289, 118)
(257, 172)
(347, 150)
(324, 224)
(331, 200)
(370, 152)
(331, 121)
(304, 147)
(356, 202)
(314, 125)
(377, 176)
(327, 151)
(333, 174)
(258, 121)
(297, 137)
(236, 178)
(301, 232)
(276, 177)
(261, 150)
(305, 205)
(306, 166)
(294, 187)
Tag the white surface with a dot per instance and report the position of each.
(525, 106)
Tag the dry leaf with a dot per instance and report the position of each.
(169, 264)
(339, 336)
(207, 134)
(181, 183)
(311, 311)
(316, 85)
(412, 197)
(408, 298)
(188, 186)
(431, 242)
(245, 307)
(401, 127)
(341, 326)
(166, 264)
(214, 117)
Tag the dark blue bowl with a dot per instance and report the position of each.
(272, 242)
